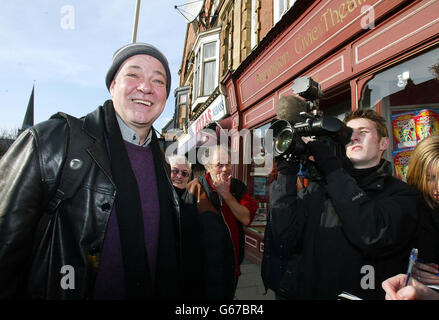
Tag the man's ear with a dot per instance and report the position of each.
(384, 143)
(112, 87)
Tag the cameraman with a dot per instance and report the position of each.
(346, 232)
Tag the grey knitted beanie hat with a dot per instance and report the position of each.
(133, 49)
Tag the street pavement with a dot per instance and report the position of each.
(250, 286)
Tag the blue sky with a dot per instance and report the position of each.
(69, 65)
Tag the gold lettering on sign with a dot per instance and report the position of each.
(331, 18)
(305, 40)
(334, 16)
(273, 68)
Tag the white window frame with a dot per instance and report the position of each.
(203, 64)
(198, 49)
(277, 15)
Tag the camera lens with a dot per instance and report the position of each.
(283, 141)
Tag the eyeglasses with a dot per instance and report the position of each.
(176, 171)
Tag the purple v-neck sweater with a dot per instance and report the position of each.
(110, 282)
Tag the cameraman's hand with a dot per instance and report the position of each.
(324, 159)
(287, 165)
(306, 140)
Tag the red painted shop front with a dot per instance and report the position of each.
(365, 54)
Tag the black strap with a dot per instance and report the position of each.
(76, 164)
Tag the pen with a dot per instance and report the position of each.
(412, 260)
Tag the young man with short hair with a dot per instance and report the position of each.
(348, 231)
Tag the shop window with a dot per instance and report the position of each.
(258, 175)
(407, 95)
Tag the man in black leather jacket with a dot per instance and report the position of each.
(118, 236)
(349, 231)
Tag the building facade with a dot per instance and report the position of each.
(364, 53)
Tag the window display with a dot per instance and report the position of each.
(407, 95)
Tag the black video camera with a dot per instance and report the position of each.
(303, 118)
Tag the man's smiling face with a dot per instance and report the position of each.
(139, 91)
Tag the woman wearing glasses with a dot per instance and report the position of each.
(192, 264)
(180, 173)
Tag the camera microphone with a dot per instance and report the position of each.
(302, 118)
(290, 107)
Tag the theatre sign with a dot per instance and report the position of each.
(326, 25)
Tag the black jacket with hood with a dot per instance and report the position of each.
(344, 234)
